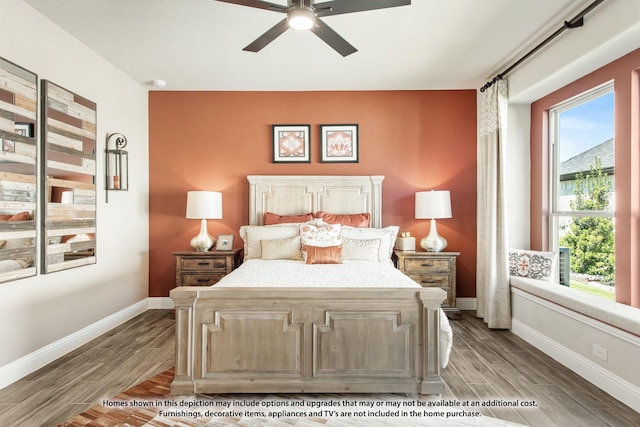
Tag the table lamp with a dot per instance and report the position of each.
(204, 205)
(432, 205)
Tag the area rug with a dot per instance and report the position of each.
(151, 404)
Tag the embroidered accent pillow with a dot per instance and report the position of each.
(533, 264)
(320, 235)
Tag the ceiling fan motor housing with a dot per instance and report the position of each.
(301, 17)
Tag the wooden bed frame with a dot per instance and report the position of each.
(296, 340)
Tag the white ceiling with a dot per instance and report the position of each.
(197, 44)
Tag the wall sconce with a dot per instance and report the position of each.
(117, 164)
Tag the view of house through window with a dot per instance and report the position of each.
(583, 197)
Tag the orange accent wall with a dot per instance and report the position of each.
(624, 73)
(419, 140)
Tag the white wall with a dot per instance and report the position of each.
(610, 31)
(41, 310)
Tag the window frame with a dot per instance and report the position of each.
(554, 182)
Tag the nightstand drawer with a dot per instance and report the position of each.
(425, 265)
(204, 264)
(200, 279)
(432, 270)
(429, 280)
(205, 268)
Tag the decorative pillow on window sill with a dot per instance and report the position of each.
(533, 264)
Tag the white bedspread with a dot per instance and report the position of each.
(350, 274)
(286, 273)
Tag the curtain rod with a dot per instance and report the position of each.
(575, 22)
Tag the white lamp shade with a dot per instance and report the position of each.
(433, 204)
(204, 205)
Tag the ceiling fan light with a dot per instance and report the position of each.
(301, 18)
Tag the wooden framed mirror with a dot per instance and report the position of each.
(18, 169)
(69, 171)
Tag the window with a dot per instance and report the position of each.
(582, 190)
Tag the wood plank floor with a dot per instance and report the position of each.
(485, 365)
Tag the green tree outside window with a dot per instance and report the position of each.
(591, 239)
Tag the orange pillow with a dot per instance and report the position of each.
(269, 218)
(324, 255)
(360, 220)
(22, 216)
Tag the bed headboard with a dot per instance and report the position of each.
(301, 194)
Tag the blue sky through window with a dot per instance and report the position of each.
(585, 126)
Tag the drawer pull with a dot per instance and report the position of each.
(203, 280)
(428, 264)
(203, 263)
(428, 281)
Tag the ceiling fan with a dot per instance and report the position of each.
(305, 14)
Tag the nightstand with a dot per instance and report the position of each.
(205, 268)
(432, 269)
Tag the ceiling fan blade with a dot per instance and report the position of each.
(258, 4)
(339, 7)
(332, 38)
(269, 36)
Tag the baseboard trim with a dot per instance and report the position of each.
(160, 303)
(466, 303)
(22, 367)
(616, 386)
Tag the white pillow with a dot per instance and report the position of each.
(253, 234)
(387, 236)
(281, 249)
(361, 249)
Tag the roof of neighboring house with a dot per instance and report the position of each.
(584, 161)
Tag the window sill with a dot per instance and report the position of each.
(618, 315)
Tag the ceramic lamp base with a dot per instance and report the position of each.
(203, 241)
(433, 242)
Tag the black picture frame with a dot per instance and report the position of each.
(339, 143)
(291, 143)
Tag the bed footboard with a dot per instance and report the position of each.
(293, 340)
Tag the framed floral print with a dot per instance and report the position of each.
(291, 143)
(339, 143)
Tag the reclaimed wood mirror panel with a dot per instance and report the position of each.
(18, 168)
(69, 193)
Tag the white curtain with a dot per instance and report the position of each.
(492, 271)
